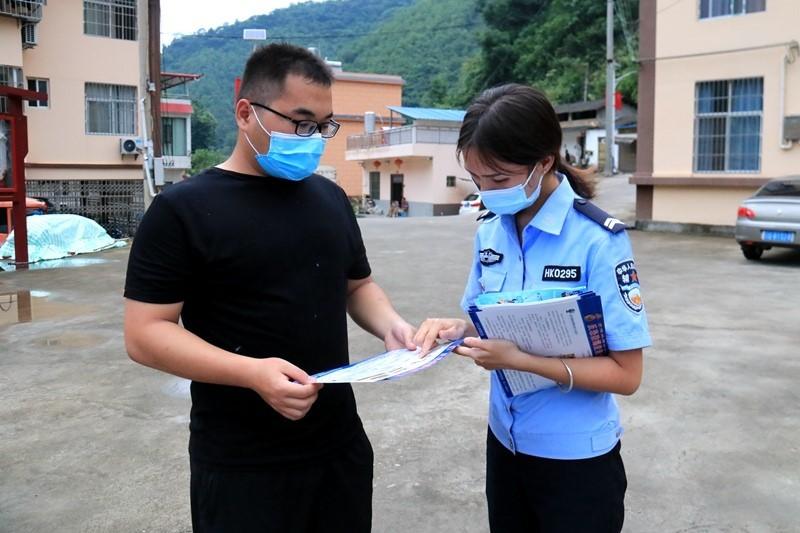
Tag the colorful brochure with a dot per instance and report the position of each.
(568, 324)
(388, 365)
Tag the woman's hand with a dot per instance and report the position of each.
(492, 354)
(433, 329)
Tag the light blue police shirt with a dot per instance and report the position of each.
(561, 247)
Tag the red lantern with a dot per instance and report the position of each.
(376, 164)
(398, 162)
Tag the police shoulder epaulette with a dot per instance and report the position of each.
(593, 212)
(485, 217)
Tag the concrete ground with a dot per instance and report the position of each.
(90, 441)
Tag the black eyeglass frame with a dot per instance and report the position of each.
(298, 123)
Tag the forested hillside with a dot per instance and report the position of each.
(446, 50)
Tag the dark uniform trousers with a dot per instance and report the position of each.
(537, 495)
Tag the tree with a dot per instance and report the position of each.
(555, 45)
(204, 127)
(204, 158)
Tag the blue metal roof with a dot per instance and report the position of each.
(429, 113)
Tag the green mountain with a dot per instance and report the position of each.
(425, 41)
(447, 50)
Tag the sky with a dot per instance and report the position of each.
(187, 16)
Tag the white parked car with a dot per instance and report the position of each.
(471, 204)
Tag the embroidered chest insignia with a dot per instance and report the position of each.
(489, 257)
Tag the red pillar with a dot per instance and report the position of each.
(19, 149)
(19, 210)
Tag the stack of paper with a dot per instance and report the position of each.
(388, 365)
(568, 325)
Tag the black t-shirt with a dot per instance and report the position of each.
(261, 265)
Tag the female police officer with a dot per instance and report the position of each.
(553, 455)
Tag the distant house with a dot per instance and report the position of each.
(413, 156)
(355, 95)
(176, 125)
(583, 131)
(719, 106)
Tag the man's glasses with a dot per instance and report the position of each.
(306, 128)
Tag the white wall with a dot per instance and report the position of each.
(424, 177)
(10, 43)
(593, 143)
(570, 142)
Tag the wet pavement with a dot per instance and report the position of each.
(90, 441)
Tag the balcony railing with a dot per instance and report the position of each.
(403, 135)
(29, 10)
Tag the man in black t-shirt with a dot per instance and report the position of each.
(262, 260)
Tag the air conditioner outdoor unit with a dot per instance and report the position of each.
(130, 145)
(29, 35)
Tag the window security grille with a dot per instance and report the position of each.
(110, 109)
(117, 205)
(722, 8)
(727, 130)
(110, 18)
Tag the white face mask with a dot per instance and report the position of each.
(512, 200)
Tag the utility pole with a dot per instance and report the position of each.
(154, 60)
(586, 84)
(610, 119)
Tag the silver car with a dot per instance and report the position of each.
(771, 217)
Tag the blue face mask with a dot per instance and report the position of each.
(290, 157)
(512, 200)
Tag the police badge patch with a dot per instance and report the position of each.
(628, 285)
(489, 257)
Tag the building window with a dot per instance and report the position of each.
(40, 86)
(722, 8)
(375, 185)
(6, 157)
(173, 136)
(10, 77)
(110, 109)
(110, 18)
(727, 131)
(451, 181)
(583, 115)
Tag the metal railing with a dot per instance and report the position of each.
(30, 10)
(403, 135)
(117, 205)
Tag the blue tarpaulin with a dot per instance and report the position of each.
(58, 236)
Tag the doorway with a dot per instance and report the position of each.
(396, 192)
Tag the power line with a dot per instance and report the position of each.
(322, 36)
(717, 52)
(673, 4)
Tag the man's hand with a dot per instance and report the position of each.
(400, 335)
(492, 354)
(439, 328)
(285, 387)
